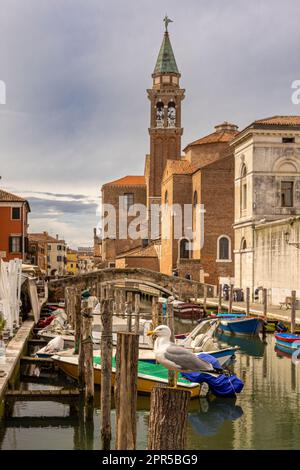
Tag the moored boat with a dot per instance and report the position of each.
(247, 326)
(187, 311)
(287, 341)
(149, 375)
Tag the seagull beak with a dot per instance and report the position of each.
(151, 333)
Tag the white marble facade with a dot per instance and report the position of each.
(267, 203)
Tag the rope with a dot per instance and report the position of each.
(87, 340)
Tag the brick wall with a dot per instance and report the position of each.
(110, 195)
(138, 262)
(217, 195)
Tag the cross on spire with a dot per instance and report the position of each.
(167, 20)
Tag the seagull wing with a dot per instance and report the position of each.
(186, 360)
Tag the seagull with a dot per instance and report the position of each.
(175, 357)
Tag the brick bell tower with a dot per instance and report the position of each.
(165, 123)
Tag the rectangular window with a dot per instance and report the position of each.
(244, 196)
(16, 213)
(15, 244)
(58, 247)
(287, 190)
(288, 140)
(49, 247)
(59, 258)
(128, 199)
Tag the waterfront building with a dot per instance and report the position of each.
(267, 207)
(14, 212)
(72, 261)
(54, 249)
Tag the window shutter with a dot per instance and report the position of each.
(26, 245)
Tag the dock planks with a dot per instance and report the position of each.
(14, 350)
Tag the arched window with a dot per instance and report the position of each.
(195, 199)
(171, 114)
(243, 244)
(184, 248)
(224, 248)
(243, 188)
(160, 114)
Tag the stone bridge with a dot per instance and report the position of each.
(136, 279)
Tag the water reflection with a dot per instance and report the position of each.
(212, 415)
(264, 416)
(252, 346)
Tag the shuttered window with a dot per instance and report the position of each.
(15, 244)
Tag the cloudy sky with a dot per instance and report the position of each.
(76, 73)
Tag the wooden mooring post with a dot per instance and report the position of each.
(265, 302)
(220, 298)
(129, 311)
(126, 390)
(154, 312)
(204, 297)
(87, 350)
(77, 320)
(170, 323)
(106, 365)
(293, 312)
(81, 351)
(69, 304)
(168, 418)
(247, 300)
(137, 304)
(230, 298)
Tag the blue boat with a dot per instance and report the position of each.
(247, 326)
(287, 341)
(231, 315)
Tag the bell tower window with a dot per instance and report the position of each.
(171, 114)
(160, 114)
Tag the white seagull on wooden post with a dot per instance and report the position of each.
(175, 357)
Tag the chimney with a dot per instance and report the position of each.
(57, 236)
(226, 126)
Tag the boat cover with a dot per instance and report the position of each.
(221, 385)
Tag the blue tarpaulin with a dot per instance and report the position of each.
(221, 385)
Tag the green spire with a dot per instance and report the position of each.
(166, 61)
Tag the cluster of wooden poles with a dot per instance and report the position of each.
(264, 302)
(168, 405)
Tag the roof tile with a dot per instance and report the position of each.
(132, 180)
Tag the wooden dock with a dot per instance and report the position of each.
(274, 312)
(43, 395)
(37, 361)
(14, 351)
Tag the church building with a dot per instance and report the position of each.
(202, 180)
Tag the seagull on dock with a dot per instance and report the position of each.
(175, 357)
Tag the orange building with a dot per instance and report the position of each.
(13, 226)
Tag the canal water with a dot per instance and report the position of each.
(264, 416)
